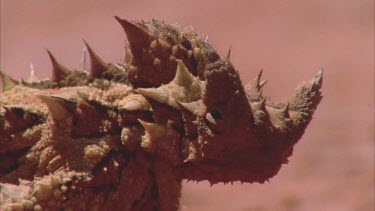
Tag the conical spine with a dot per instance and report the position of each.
(59, 72)
(183, 76)
(32, 77)
(137, 36)
(98, 66)
(7, 82)
(254, 88)
(58, 107)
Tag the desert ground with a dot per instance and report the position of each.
(332, 167)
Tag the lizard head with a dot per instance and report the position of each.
(227, 131)
(194, 112)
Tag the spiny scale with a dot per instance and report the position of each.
(59, 72)
(57, 106)
(254, 87)
(7, 82)
(98, 66)
(32, 77)
(136, 35)
(183, 76)
(184, 87)
(173, 110)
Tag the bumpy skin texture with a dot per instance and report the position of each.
(123, 136)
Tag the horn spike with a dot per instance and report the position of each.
(285, 110)
(263, 102)
(98, 66)
(197, 107)
(228, 53)
(152, 131)
(7, 82)
(59, 72)
(253, 87)
(183, 77)
(56, 106)
(136, 35)
(32, 77)
(6, 108)
(261, 84)
(145, 124)
(260, 95)
(191, 107)
(156, 94)
(317, 80)
(257, 83)
(260, 74)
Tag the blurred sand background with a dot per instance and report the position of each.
(333, 165)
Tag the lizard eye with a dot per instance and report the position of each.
(216, 115)
(215, 121)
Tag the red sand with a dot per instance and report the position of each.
(333, 165)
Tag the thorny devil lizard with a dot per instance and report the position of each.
(124, 136)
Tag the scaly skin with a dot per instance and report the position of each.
(123, 136)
